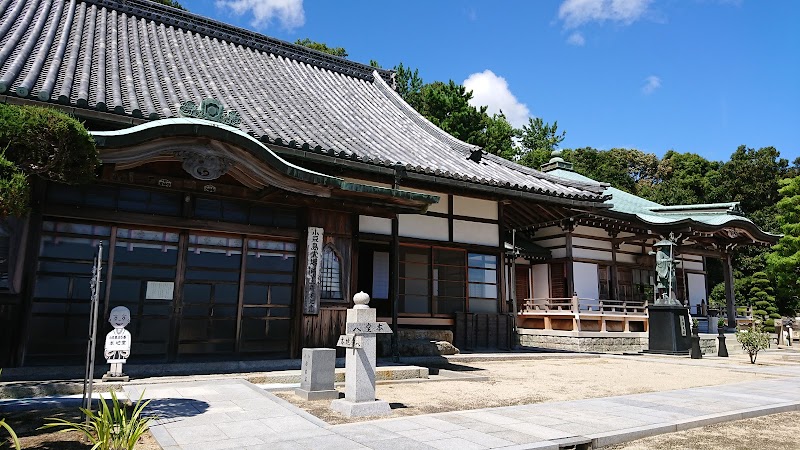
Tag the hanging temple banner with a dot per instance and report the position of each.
(311, 291)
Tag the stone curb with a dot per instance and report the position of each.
(600, 440)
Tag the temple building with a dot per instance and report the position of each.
(249, 187)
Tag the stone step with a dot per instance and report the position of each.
(31, 389)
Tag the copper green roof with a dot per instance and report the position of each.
(702, 216)
(151, 132)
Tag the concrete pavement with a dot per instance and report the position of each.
(236, 414)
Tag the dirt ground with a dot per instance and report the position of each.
(777, 431)
(25, 424)
(534, 381)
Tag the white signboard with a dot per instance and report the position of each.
(368, 328)
(313, 266)
(349, 341)
(159, 290)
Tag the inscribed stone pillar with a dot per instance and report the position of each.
(729, 291)
(318, 374)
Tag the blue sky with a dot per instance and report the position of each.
(701, 76)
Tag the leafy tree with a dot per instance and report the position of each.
(45, 143)
(447, 106)
(600, 165)
(408, 84)
(540, 135)
(784, 260)
(681, 179)
(319, 46)
(171, 3)
(763, 298)
(375, 64)
(751, 178)
(500, 136)
(753, 341)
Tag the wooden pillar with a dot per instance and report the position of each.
(569, 272)
(394, 273)
(729, 292)
(614, 294)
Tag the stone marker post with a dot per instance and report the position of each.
(360, 342)
(318, 374)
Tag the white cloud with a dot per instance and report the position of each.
(492, 91)
(576, 39)
(289, 13)
(575, 13)
(651, 83)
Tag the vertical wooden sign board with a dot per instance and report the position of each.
(313, 266)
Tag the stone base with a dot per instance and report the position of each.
(316, 395)
(122, 377)
(361, 409)
(599, 342)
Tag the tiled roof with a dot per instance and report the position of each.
(138, 59)
(714, 215)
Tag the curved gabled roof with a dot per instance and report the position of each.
(138, 59)
(706, 217)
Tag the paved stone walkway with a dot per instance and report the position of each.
(236, 414)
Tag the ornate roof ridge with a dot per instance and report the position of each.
(215, 29)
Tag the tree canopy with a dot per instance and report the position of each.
(45, 143)
(319, 46)
(171, 3)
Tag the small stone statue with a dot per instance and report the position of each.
(118, 342)
(666, 283)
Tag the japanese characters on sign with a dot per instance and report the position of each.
(368, 328)
(313, 266)
(349, 341)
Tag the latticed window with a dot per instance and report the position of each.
(331, 275)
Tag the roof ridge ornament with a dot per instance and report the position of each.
(210, 109)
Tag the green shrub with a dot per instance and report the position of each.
(753, 341)
(721, 322)
(110, 428)
(48, 143)
(14, 189)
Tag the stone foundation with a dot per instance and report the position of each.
(597, 342)
(414, 342)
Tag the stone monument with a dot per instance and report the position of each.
(118, 343)
(360, 343)
(318, 374)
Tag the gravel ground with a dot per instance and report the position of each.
(777, 431)
(536, 381)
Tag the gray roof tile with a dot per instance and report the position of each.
(136, 58)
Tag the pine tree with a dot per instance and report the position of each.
(763, 298)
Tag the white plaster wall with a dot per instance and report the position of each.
(549, 231)
(691, 265)
(586, 280)
(474, 207)
(625, 258)
(591, 243)
(630, 248)
(559, 253)
(440, 207)
(424, 227)
(697, 289)
(377, 225)
(692, 257)
(541, 281)
(476, 233)
(602, 255)
(554, 242)
(591, 231)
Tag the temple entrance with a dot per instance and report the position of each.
(192, 296)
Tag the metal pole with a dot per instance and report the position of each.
(513, 287)
(88, 380)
